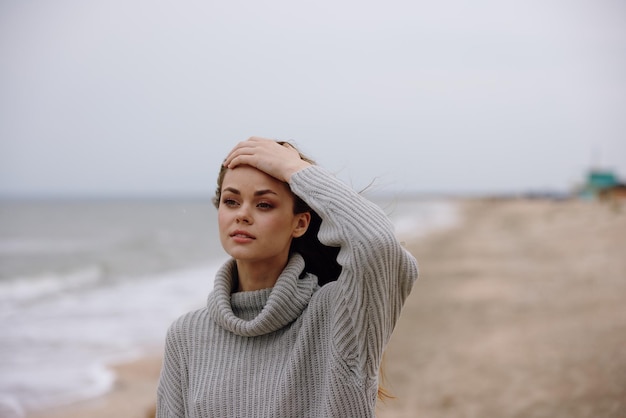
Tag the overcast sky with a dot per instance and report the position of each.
(146, 97)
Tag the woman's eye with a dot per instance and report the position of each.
(264, 205)
(229, 202)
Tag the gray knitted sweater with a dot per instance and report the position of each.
(295, 350)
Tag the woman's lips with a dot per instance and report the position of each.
(242, 236)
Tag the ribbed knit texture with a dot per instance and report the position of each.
(296, 350)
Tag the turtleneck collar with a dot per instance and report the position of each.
(260, 312)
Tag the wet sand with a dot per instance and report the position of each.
(519, 312)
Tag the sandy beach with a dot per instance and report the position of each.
(519, 312)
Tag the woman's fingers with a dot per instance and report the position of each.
(267, 155)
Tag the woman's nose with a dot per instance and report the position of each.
(243, 215)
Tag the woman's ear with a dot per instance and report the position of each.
(302, 224)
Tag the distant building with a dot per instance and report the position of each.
(601, 184)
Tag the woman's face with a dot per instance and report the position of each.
(255, 216)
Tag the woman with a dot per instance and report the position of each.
(271, 341)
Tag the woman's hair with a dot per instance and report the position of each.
(320, 259)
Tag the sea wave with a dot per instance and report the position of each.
(19, 290)
(415, 218)
(57, 350)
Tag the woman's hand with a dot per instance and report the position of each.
(267, 155)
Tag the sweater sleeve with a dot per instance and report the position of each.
(377, 272)
(170, 392)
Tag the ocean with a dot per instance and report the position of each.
(86, 284)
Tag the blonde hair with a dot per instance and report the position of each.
(383, 393)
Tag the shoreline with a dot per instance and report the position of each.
(132, 395)
(517, 313)
(423, 215)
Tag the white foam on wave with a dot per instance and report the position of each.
(14, 292)
(417, 218)
(9, 408)
(57, 350)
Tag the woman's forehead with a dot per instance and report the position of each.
(245, 178)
